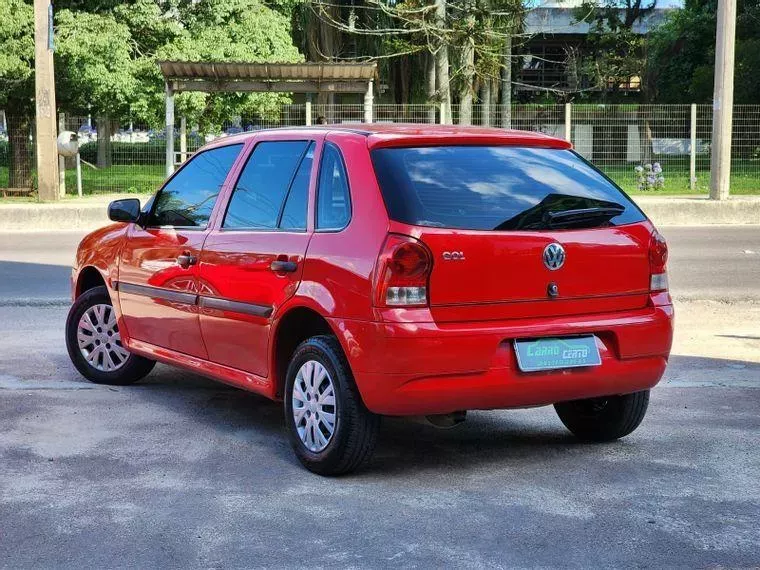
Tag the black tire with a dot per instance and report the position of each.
(134, 367)
(356, 428)
(604, 419)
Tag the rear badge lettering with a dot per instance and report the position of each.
(453, 255)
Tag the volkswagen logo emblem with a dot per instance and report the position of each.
(554, 256)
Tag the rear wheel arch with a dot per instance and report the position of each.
(292, 328)
(89, 278)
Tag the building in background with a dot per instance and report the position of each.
(553, 55)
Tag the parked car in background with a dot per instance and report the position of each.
(368, 270)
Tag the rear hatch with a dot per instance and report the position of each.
(517, 231)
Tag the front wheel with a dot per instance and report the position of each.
(330, 429)
(606, 418)
(94, 342)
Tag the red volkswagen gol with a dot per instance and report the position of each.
(384, 270)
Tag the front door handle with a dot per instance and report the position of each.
(186, 260)
(284, 266)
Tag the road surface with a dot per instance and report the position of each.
(180, 472)
(710, 262)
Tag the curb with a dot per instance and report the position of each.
(50, 217)
(663, 211)
(699, 211)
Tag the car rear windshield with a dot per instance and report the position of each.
(498, 188)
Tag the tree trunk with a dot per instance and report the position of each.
(485, 100)
(506, 84)
(468, 76)
(404, 69)
(430, 85)
(442, 59)
(20, 156)
(104, 159)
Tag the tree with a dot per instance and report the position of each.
(470, 33)
(17, 85)
(95, 69)
(230, 30)
(617, 52)
(618, 58)
(682, 53)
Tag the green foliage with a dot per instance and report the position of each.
(682, 53)
(153, 152)
(94, 63)
(230, 30)
(106, 54)
(617, 53)
(16, 55)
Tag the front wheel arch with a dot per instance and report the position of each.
(89, 277)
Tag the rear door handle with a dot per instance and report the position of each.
(186, 260)
(284, 266)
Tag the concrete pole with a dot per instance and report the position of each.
(61, 159)
(693, 149)
(44, 89)
(444, 109)
(723, 101)
(308, 113)
(569, 122)
(169, 130)
(182, 140)
(368, 99)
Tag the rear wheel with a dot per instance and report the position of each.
(330, 429)
(604, 419)
(94, 343)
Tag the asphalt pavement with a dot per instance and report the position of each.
(708, 262)
(181, 472)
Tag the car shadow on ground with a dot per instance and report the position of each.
(404, 446)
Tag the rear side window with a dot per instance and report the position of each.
(294, 212)
(498, 188)
(189, 197)
(263, 185)
(333, 201)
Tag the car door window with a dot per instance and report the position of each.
(333, 201)
(188, 199)
(258, 197)
(296, 204)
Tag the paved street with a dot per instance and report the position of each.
(718, 262)
(181, 472)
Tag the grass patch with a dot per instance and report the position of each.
(146, 178)
(137, 179)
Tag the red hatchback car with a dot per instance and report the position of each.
(370, 270)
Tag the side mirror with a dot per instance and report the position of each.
(124, 210)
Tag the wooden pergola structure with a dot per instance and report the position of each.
(232, 77)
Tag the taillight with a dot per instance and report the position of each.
(402, 273)
(658, 259)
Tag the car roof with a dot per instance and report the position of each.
(414, 134)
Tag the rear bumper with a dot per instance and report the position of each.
(430, 368)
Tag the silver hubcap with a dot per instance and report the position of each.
(99, 339)
(314, 406)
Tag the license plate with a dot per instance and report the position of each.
(555, 353)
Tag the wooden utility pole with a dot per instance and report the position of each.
(44, 86)
(723, 101)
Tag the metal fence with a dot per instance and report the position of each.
(619, 139)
